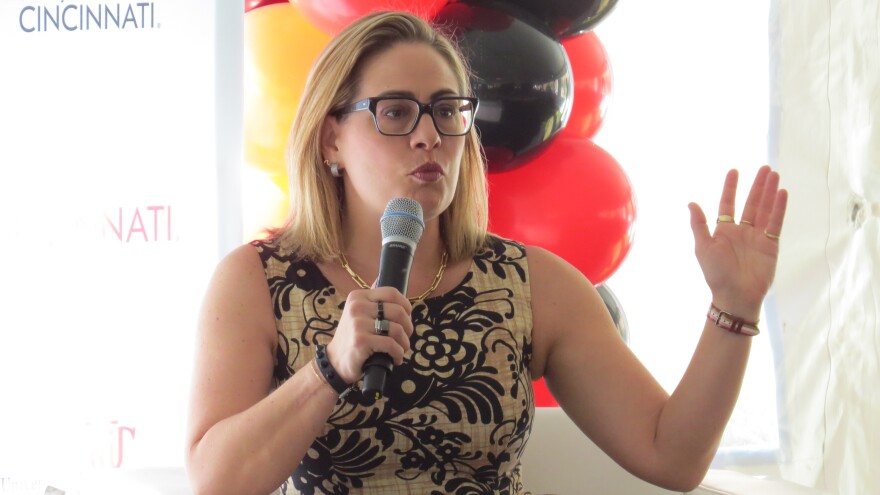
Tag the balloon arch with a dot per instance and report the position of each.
(550, 185)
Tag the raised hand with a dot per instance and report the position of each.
(739, 259)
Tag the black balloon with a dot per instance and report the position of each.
(521, 74)
(617, 314)
(564, 17)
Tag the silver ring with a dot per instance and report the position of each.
(380, 314)
(382, 327)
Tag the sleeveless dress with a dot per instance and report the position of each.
(456, 415)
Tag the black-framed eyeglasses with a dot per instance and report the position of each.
(399, 116)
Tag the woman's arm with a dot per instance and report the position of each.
(669, 441)
(242, 438)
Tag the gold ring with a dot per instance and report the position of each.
(772, 237)
(382, 327)
(725, 219)
(747, 223)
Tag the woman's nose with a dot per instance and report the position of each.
(425, 134)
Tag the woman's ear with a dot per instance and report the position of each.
(328, 139)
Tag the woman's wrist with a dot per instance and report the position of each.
(731, 322)
(325, 370)
(322, 382)
(742, 308)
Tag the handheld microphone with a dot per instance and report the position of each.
(402, 227)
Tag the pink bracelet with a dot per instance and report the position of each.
(731, 323)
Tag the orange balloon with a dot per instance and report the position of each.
(280, 46)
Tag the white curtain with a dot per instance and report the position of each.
(825, 137)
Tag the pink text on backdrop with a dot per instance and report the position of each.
(129, 225)
(107, 441)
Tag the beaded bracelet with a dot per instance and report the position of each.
(329, 373)
(731, 323)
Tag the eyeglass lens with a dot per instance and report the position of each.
(452, 116)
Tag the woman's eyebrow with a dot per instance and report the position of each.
(410, 94)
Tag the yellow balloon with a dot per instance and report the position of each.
(265, 205)
(280, 48)
(280, 181)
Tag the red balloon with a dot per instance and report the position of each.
(543, 397)
(592, 85)
(573, 199)
(250, 5)
(459, 17)
(331, 16)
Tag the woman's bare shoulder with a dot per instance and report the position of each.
(238, 290)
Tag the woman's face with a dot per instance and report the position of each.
(423, 165)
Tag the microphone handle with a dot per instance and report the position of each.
(394, 264)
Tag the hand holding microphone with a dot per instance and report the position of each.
(355, 353)
(402, 226)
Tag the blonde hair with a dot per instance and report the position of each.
(313, 228)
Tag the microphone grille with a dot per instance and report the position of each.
(403, 218)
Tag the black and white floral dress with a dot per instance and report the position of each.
(458, 412)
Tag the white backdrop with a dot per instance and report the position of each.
(690, 102)
(109, 213)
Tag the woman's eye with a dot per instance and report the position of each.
(445, 111)
(395, 112)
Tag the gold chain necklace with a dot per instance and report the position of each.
(421, 297)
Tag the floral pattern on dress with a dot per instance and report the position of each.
(458, 411)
